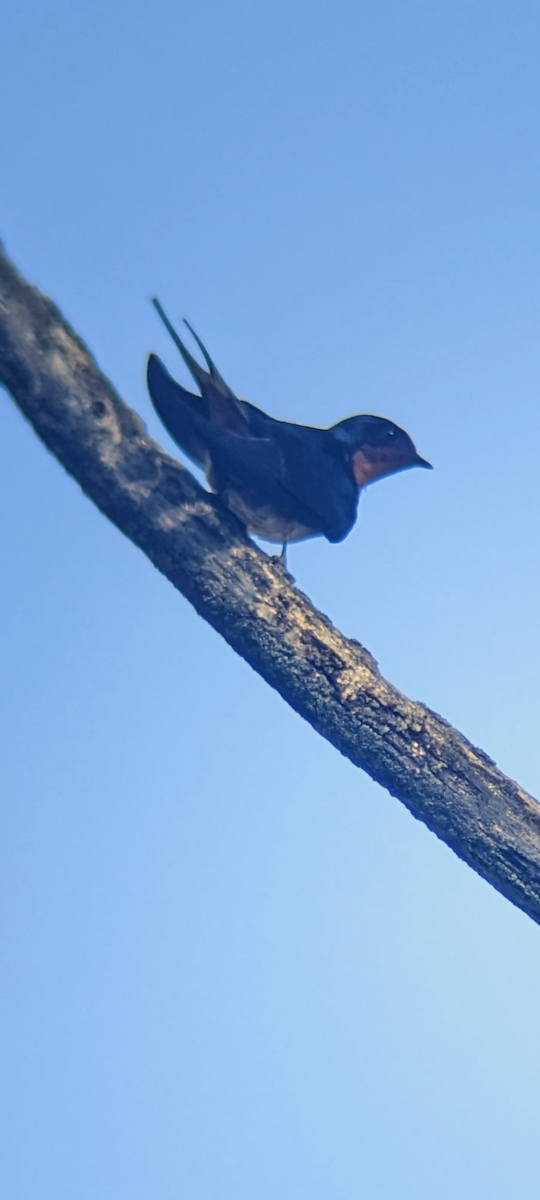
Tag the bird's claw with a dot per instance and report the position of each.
(280, 560)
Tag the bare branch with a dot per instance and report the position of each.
(332, 681)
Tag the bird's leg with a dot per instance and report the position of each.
(281, 561)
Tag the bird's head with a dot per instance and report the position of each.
(376, 447)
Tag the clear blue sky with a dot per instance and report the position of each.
(232, 967)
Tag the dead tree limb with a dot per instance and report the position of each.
(330, 680)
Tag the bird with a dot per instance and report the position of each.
(285, 482)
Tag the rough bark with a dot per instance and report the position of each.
(330, 680)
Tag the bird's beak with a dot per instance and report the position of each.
(421, 462)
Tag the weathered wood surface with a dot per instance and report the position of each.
(331, 680)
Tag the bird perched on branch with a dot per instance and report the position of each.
(284, 482)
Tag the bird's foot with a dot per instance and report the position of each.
(280, 560)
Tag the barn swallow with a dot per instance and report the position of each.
(285, 482)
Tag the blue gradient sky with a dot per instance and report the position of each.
(231, 965)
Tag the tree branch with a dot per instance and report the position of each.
(330, 680)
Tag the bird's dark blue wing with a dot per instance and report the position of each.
(293, 475)
(316, 475)
(183, 414)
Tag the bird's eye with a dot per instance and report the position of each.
(390, 433)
